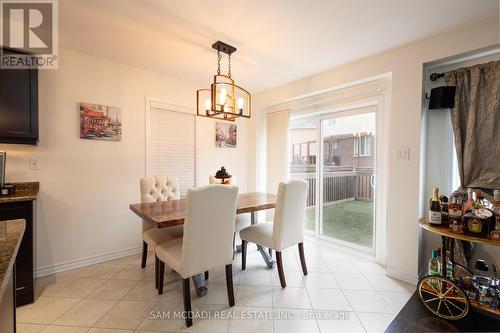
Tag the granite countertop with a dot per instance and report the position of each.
(23, 192)
(10, 239)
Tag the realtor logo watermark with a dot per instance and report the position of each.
(29, 34)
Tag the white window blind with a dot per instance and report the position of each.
(171, 145)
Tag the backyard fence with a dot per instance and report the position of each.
(339, 184)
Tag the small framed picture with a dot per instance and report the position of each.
(226, 135)
(100, 122)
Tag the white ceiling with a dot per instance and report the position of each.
(278, 40)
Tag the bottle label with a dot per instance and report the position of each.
(455, 213)
(475, 226)
(434, 217)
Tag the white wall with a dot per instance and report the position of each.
(406, 65)
(86, 186)
(211, 158)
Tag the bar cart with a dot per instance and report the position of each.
(448, 298)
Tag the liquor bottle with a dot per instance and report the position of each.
(494, 291)
(449, 266)
(435, 208)
(479, 203)
(495, 208)
(434, 264)
(443, 199)
(455, 215)
(469, 204)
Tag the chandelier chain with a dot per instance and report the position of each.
(219, 57)
(229, 66)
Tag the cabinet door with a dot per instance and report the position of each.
(24, 260)
(18, 106)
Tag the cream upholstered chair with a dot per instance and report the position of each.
(154, 189)
(286, 230)
(206, 244)
(242, 220)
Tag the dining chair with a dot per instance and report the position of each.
(206, 244)
(286, 230)
(242, 220)
(154, 189)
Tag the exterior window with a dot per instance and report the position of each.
(363, 145)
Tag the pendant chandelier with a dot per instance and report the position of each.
(224, 100)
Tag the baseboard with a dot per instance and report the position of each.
(77, 263)
(412, 279)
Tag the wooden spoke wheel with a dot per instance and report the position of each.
(463, 272)
(443, 297)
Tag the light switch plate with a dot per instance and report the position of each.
(402, 154)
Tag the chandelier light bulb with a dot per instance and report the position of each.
(241, 102)
(222, 96)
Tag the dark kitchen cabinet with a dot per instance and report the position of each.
(19, 106)
(24, 261)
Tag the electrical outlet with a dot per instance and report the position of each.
(34, 163)
(402, 154)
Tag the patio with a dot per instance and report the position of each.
(349, 221)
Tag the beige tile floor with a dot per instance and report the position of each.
(342, 293)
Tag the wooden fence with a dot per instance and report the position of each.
(339, 185)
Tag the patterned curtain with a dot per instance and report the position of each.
(476, 124)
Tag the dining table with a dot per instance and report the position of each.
(169, 213)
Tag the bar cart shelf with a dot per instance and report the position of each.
(443, 296)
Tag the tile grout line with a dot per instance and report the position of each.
(350, 305)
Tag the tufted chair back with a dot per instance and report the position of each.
(158, 188)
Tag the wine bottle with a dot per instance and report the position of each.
(435, 208)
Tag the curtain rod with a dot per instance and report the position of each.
(435, 76)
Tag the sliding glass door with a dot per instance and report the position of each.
(340, 173)
(347, 178)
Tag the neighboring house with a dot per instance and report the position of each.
(339, 150)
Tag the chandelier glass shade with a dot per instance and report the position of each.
(224, 100)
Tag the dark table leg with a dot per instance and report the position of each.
(264, 252)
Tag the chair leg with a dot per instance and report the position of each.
(187, 302)
(157, 273)
(281, 273)
(206, 275)
(229, 284)
(144, 254)
(243, 255)
(234, 244)
(161, 274)
(302, 258)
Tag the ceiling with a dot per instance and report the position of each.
(278, 41)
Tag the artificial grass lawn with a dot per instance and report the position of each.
(349, 221)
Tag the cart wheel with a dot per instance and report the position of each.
(443, 297)
(463, 272)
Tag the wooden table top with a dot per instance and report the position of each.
(172, 212)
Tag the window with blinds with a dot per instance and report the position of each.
(171, 144)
